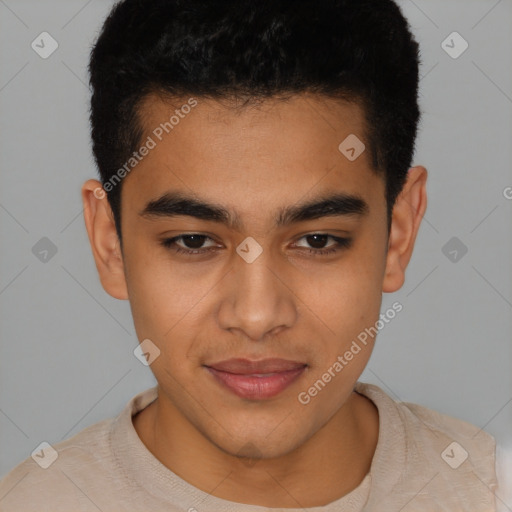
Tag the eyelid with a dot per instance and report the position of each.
(183, 235)
(340, 244)
(328, 235)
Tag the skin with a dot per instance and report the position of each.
(288, 303)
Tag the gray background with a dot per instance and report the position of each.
(66, 353)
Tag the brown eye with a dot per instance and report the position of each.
(192, 243)
(317, 243)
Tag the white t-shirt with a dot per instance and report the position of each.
(424, 461)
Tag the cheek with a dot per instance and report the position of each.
(349, 295)
(158, 298)
(168, 304)
(164, 305)
(346, 303)
(348, 307)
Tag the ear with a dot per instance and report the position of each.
(408, 211)
(99, 222)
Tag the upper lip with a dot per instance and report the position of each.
(248, 367)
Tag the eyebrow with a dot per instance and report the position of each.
(174, 204)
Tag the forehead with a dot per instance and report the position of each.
(305, 117)
(278, 152)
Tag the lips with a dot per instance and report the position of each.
(256, 380)
(248, 367)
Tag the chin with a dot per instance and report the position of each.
(257, 448)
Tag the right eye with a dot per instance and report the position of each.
(193, 243)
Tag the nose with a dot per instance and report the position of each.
(257, 299)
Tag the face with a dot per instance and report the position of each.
(274, 272)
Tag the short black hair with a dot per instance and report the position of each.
(355, 50)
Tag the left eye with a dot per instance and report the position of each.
(317, 239)
(194, 243)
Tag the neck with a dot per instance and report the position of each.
(326, 467)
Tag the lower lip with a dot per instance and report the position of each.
(256, 388)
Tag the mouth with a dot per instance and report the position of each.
(256, 380)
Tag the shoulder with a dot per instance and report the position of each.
(461, 457)
(51, 478)
(504, 474)
(454, 443)
(442, 459)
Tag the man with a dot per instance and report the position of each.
(256, 199)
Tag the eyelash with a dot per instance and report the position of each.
(341, 243)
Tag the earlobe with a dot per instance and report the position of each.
(408, 211)
(103, 238)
